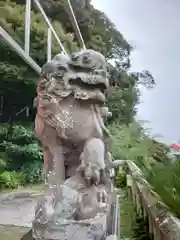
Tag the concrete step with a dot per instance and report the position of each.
(16, 214)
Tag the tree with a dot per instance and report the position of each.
(102, 35)
(123, 96)
(17, 80)
(98, 31)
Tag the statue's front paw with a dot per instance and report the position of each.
(90, 174)
(102, 198)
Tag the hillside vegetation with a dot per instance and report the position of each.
(20, 152)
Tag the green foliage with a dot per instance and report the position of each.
(20, 146)
(12, 19)
(11, 179)
(129, 142)
(123, 96)
(33, 172)
(140, 229)
(97, 29)
(166, 182)
(3, 131)
(22, 135)
(127, 215)
(98, 32)
(120, 180)
(17, 79)
(20, 156)
(132, 225)
(121, 103)
(144, 78)
(29, 173)
(3, 161)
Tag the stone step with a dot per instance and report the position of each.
(17, 209)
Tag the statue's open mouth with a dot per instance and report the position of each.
(84, 85)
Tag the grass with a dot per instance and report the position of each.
(15, 233)
(127, 216)
(30, 187)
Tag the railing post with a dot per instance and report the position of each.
(50, 25)
(49, 42)
(129, 182)
(27, 26)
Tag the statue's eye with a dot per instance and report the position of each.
(74, 57)
(86, 59)
(61, 68)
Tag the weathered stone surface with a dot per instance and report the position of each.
(71, 210)
(70, 125)
(74, 230)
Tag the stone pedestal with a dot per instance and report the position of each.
(74, 230)
(66, 213)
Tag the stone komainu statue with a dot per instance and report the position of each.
(70, 125)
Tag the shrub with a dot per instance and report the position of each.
(23, 135)
(128, 142)
(21, 146)
(120, 180)
(33, 172)
(11, 179)
(20, 156)
(166, 182)
(140, 229)
(3, 161)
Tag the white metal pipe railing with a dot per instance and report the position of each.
(24, 53)
(27, 26)
(75, 25)
(18, 49)
(49, 43)
(50, 26)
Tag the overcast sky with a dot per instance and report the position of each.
(153, 27)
